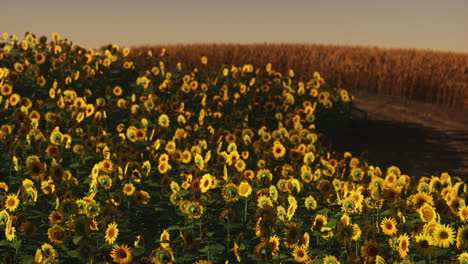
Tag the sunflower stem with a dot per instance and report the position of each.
(244, 220)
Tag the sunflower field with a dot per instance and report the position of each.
(109, 159)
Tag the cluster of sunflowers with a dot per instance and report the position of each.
(110, 160)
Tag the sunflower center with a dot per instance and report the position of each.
(404, 246)
(464, 235)
(11, 202)
(443, 235)
(424, 244)
(300, 253)
(388, 225)
(372, 251)
(122, 254)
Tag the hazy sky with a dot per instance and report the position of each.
(425, 24)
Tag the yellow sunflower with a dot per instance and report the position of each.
(463, 213)
(462, 237)
(55, 217)
(427, 213)
(57, 234)
(278, 150)
(10, 233)
(443, 236)
(6, 89)
(11, 202)
(206, 182)
(40, 58)
(121, 254)
(244, 189)
(129, 189)
(329, 259)
(163, 120)
(423, 244)
(166, 237)
(300, 254)
(112, 232)
(194, 210)
(310, 203)
(388, 226)
(403, 245)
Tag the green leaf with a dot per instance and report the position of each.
(76, 239)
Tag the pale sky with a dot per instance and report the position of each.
(429, 24)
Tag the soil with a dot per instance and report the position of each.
(422, 139)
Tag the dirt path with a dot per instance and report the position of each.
(420, 138)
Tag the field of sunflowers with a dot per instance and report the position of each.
(106, 160)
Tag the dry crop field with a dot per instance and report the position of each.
(114, 156)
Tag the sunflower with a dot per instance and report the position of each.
(423, 244)
(41, 81)
(129, 189)
(165, 237)
(162, 256)
(329, 259)
(55, 217)
(357, 232)
(85, 251)
(443, 236)
(300, 254)
(141, 197)
(6, 89)
(462, 237)
(190, 242)
(291, 210)
(10, 233)
(264, 251)
(112, 231)
(463, 258)
(40, 58)
(14, 99)
(264, 176)
(203, 262)
(319, 221)
(292, 235)
(345, 219)
(121, 254)
(206, 182)
(57, 234)
(194, 210)
(463, 213)
(36, 169)
(11, 202)
(264, 200)
(403, 245)
(380, 260)
(229, 192)
(370, 250)
(427, 213)
(244, 189)
(163, 120)
(388, 226)
(278, 150)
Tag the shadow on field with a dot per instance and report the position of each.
(416, 150)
